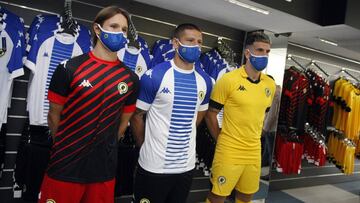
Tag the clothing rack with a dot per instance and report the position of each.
(226, 51)
(317, 136)
(352, 76)
(295, 61)
(293, 56)
(318, 67)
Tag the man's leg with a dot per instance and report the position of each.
(242, 197)
(182, 184)
(60, 192)
(150, 187)
(102, 192)
(212, 198)
(224, 177)
(248, 183)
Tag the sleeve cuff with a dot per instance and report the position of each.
(142, 105)
(56, 98)
(129, 108)
(16, 73)
(215, 105)
(30, 65)
(203, 107)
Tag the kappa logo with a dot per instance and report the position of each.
(267, 92)
(165, 90)
(86, 83)
(242, 88)
(149, 73)
(122, 87)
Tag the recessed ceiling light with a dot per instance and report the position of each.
(288, 0)
(328, 41)
(250, 7)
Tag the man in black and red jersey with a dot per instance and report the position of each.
(92, 98)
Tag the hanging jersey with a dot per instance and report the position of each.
(43, 58)
(172, 97)
(41, 24)
(11, 60)
(94, 93)
(136, 59)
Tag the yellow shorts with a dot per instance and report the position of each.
(244, 178)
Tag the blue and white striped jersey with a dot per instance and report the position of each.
(12, 50)
(47, 50)
(172, 97)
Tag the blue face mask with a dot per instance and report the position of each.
(258, 62)
(114, 41)
(189, 53)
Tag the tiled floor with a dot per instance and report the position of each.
(343, 192)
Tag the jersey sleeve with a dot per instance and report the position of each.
(130, 104)
(148, 91)
(15, 64)
(205, 103)
(220, 93)
(59, 87)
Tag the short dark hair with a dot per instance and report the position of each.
(182, 27)
(106, 13)
(257, 37)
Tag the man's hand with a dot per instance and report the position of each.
(212, 122)
(137, 125)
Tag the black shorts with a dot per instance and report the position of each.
(161, 188)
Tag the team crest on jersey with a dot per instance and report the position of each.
(222, 180)
(138, 69)
(50, 201)
(122, 87)
(3, 47)
(201, 95)
(267, 92)
(144, 200)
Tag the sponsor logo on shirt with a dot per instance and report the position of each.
(201, 95)
(267, 92)
(138, 69)
(122, 87)
(165, 90)
(242, 88)
(86, 83)
(149, 73)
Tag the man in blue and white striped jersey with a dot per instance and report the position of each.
(174, 95)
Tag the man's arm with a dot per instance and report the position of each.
(212, 122)
(54, 117)
(138, 126)
(124, 120)
(200, 116)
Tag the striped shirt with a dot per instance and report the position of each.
(93, 93)
(172, 97)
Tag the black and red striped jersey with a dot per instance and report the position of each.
(93, 93)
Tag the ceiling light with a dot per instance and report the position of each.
(288, 0)
(328, 41)
(253, 8)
